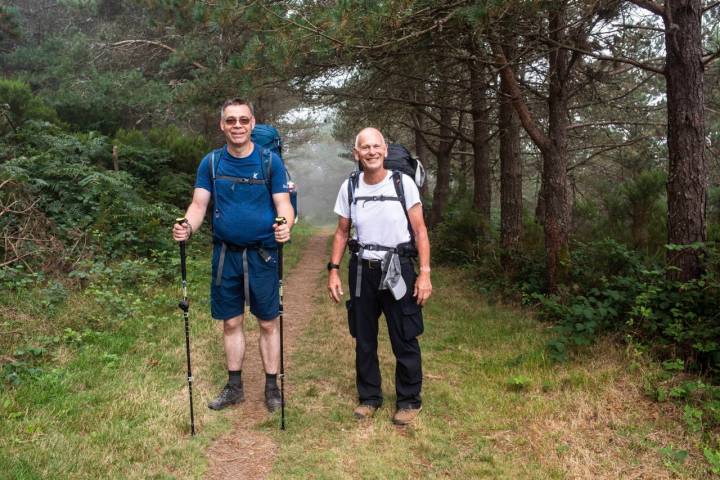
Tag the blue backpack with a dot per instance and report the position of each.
(268, 138)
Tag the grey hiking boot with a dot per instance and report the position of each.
(230, 395)
(273, 402)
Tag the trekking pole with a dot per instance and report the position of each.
(281, 221)
(185, 306)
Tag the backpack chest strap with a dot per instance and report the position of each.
(375, 198)
(243, 180)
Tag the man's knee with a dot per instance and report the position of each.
(233, 325)
(269, 327)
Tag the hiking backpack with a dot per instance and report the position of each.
(399, 160)
(268, 138)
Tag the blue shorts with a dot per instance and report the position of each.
(227, 293)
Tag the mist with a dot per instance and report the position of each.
(318, 168)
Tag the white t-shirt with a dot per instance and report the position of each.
(378, 222)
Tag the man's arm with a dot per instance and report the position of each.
(194, 215)
(284, 208)
(423, 286)
(342, 232)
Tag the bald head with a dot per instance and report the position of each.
(369, 135)
(370, 150)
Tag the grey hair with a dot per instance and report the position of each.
(235, 101)
(357, 137)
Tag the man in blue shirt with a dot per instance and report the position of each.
(246, 237)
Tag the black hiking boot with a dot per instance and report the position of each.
(230, 395)
(273, 402)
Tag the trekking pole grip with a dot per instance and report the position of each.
(183, 269)
(280, 221)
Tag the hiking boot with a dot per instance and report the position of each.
(273, 401)
(364, 411)
(230, 395)
(405, 416)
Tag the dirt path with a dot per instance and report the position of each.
(246, 453)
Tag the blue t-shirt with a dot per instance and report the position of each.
(242, 214)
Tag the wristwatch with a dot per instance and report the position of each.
(331, 265)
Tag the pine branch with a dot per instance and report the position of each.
(154, 43)
(650, 6)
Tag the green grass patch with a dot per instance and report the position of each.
(93, 384)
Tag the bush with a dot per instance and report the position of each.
(612, 290)
(78, 208)
(604, 280)
(680, 320)
(18, 104)
(461, 238)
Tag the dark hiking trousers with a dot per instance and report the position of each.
(404, 322)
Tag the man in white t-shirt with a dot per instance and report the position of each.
(382, 275)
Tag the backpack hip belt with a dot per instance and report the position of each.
(406, 250)
(225, 246)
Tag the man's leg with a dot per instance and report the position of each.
(366, 311)
(270, 353)
(405, 323)
(234, 343)
(270, 345)
(402, 329)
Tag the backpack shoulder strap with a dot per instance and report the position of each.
(266, 167)
(353, 181)
(214, 176)
(400, 192)
(266, 164)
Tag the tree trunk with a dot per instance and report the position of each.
(442, 183)
(688, 172)
(482, 186)
(555, 158)
(115, 159)
(511, 200)
(553, 145)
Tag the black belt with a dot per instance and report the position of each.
(372, 264)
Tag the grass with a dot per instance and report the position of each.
(494, 405)
(100, 392)
(98, 389)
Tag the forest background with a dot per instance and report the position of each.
(572, 148)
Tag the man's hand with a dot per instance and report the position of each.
(282, 232)
(423, 288)
(181, 231)
(335, 285)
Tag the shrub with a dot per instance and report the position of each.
(18, 104)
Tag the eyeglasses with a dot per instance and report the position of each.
(231, 121)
